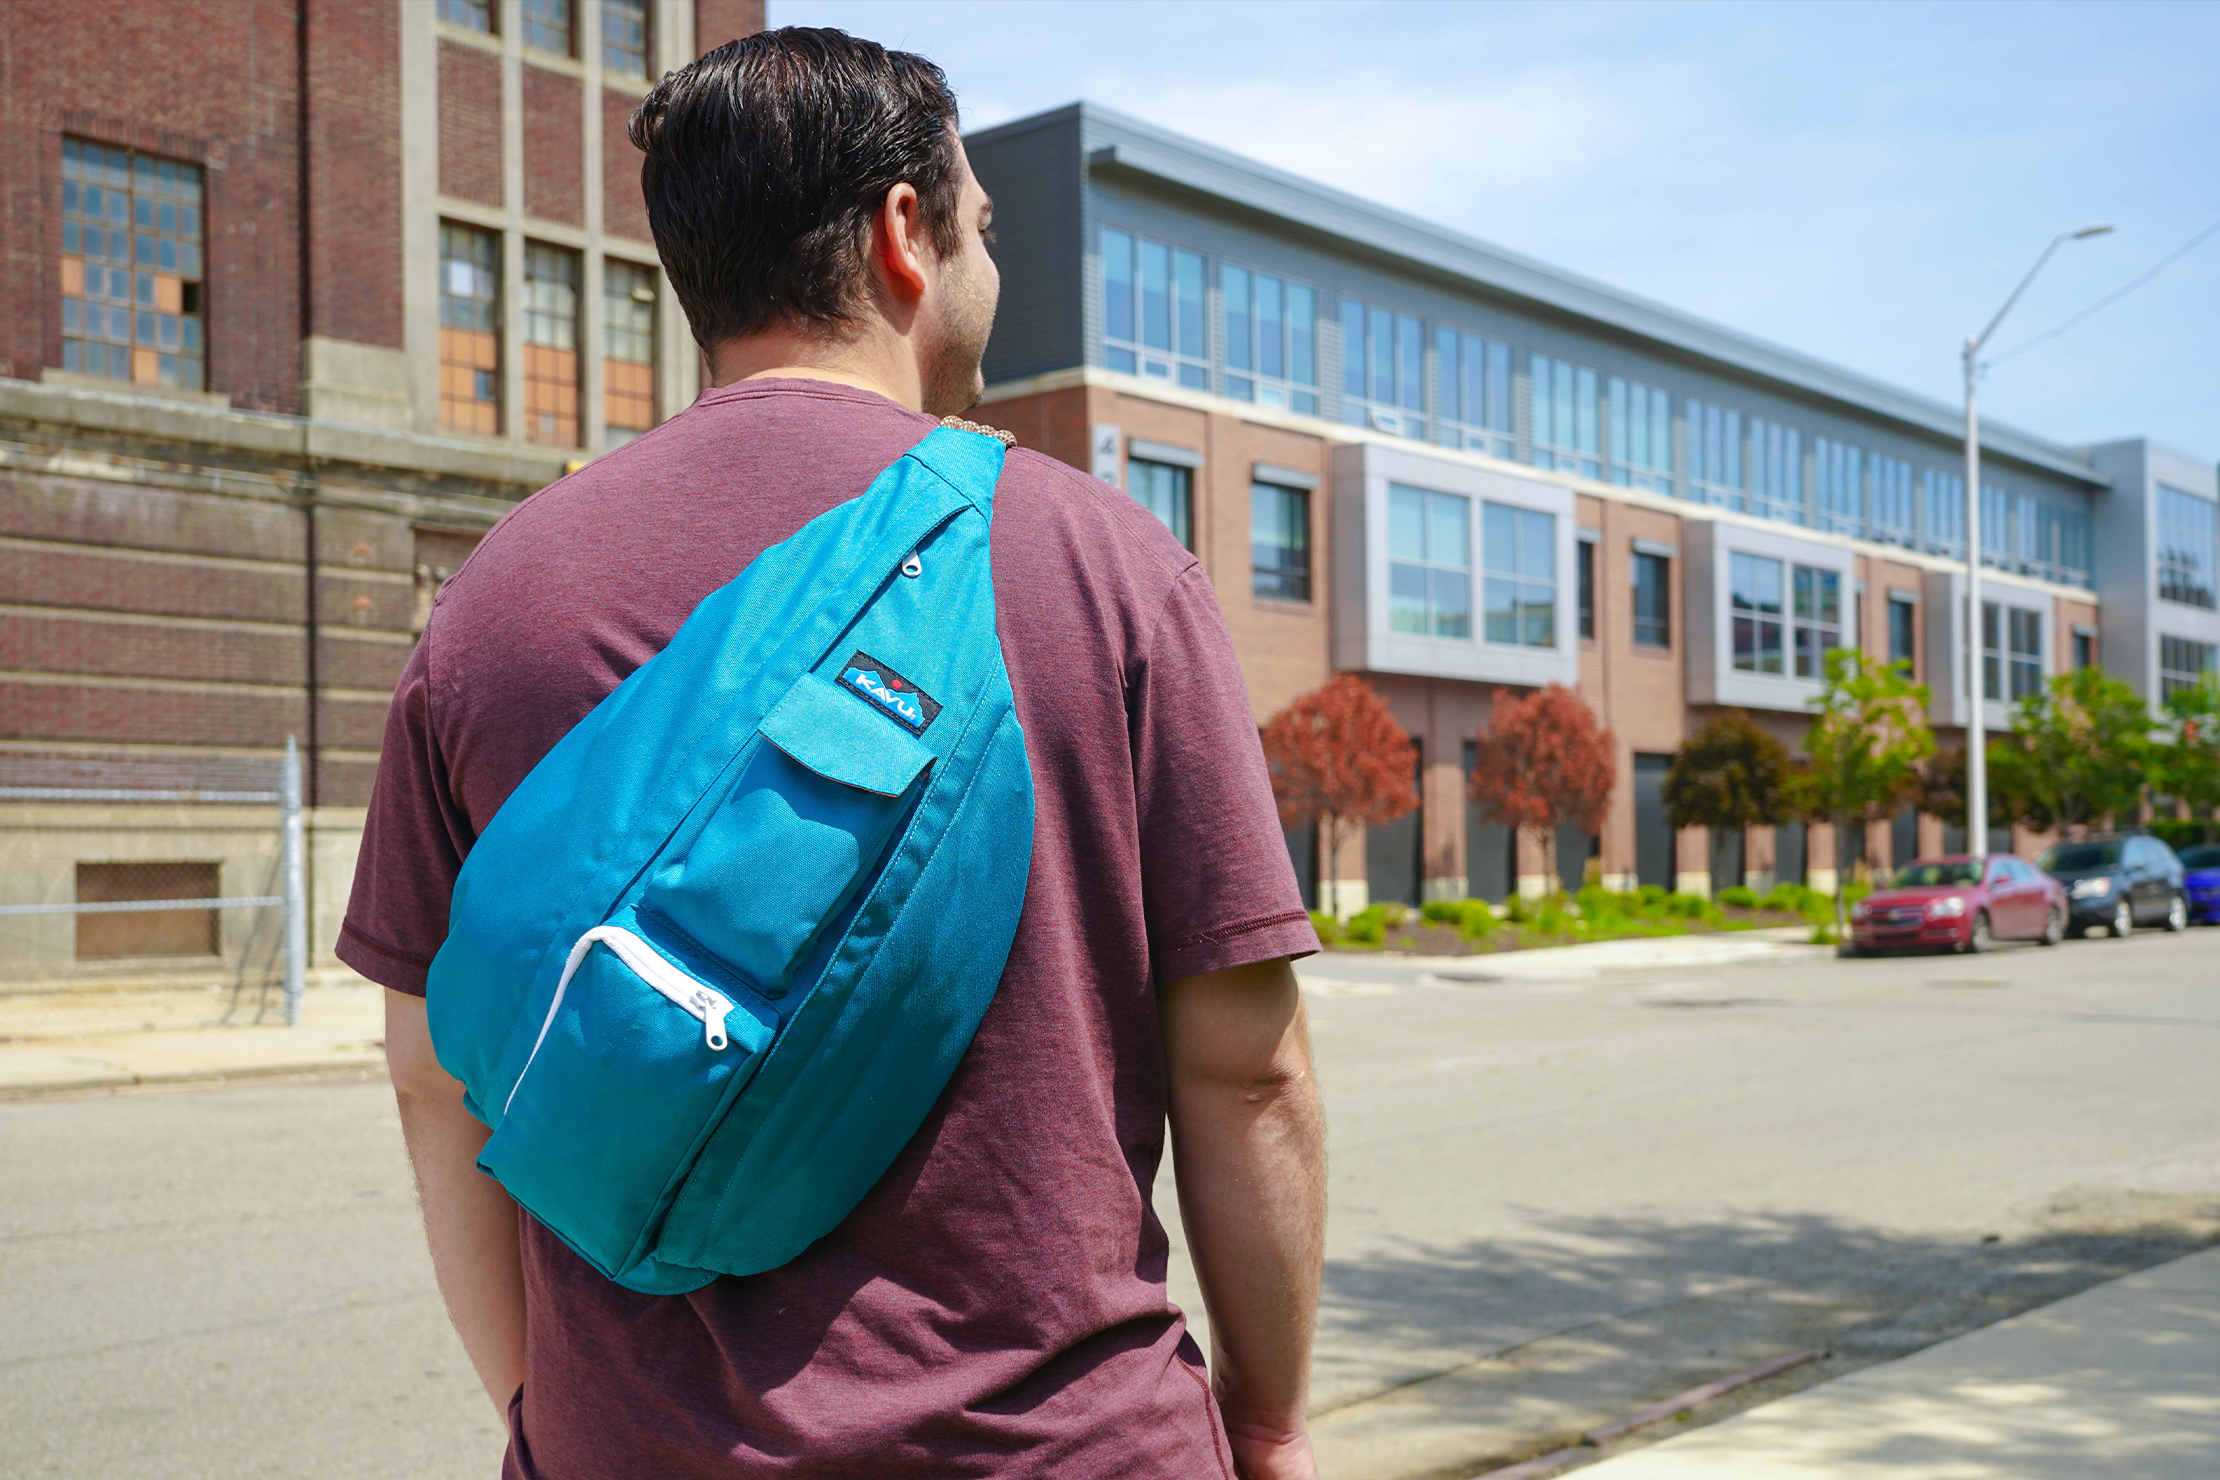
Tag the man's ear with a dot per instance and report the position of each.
(898, 242)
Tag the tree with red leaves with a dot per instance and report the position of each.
(1542, 763)
(1338, 758)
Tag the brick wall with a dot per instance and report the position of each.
(554, 146)
(354, 171)
(719, 21)
(223, 96)
(469, 123)
(623, 208)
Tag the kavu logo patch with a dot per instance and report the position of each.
(889, 691)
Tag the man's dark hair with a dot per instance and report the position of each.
(768, 157)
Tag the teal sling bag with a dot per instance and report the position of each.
(713, 961)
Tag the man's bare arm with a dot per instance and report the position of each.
(468, 1220)
(1248, 1149)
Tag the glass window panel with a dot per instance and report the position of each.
(1117, 286)
(2188, 547)
(1271, 329)
(624, 37)
(1156, 301)
(1164, 491)
(1279, 534)
(98, 292)
(1380, 354)
(1410, 346)
(1352, 348)
(1406, 524)
(1446, 534)
(1234, 287)
(1194, 339)
(1302, 335)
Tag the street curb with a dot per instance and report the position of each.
(123, 1083)
(1619, 1428)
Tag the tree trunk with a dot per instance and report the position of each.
(1842, 883)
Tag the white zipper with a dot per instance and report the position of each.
(704, 1002)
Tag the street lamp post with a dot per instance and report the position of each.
(1977, 739)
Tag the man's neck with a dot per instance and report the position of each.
(876, 360)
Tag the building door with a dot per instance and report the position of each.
(1392, 850)
(1653, 829)
(1788, 853)
(1574, 848)
(1491, 849)
(1302, 851)
(1903, 837)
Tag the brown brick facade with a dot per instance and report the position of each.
(719, 21)
(469, 123)
(623, 208)
(554, 146)
(354, 172)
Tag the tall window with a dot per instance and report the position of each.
(1165, 491)
(131, 266)
(624, 37)
(1903, 624)
(549, 26)
(1653, 612)
(628, 350)
(1894, 507)
(550, 345)
(2188, 547)
(469, 330)
(1641, 436)
(1942, 498)
(1152, 310)
(2085, 652)
(1776, 471)
(1519, 550)
(1429, 563)
(2051, 542)
(1271, 340)
(1818, 618)
(2013, 669)
(1568, 432)
(1715, 455)
(1383, 369)
(1584, 572)
(471, 15)
(1474, 406)
(1754, 597)
(1996, 526)
(1838, 470)
(1279, 541)
(2183, 664)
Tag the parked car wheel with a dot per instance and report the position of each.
(2123, 920)
(2054, 927)
(1977, 939)
(2177, 915)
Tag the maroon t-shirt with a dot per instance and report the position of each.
(996, 1305)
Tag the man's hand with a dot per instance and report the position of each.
(1248, 1150)
(468, 1220)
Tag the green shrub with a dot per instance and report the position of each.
(1328, 928)
(1740, 897)
(1784, 896)
(1442, 911)
(1823, 935)
(1477, 918)
(1369, 926)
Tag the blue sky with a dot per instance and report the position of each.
(1864, 183)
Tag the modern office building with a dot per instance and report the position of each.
(1408, 454)
(298, 299)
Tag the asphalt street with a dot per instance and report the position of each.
(1559, 1191)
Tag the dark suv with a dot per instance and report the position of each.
(2120, 883)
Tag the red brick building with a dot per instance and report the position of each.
(295, 299)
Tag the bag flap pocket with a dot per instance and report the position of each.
(837, 736)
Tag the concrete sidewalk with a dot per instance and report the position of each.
(342, 1027)
(2122, 1380)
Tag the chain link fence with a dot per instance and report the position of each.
(135, 896)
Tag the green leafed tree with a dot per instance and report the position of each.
(2080, 750)
(1867, 738)
(2186, 765)
(1729, 775)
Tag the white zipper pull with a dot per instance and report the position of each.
(712, 1007)
(912, 566)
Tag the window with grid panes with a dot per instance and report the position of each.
(2012, 670)
(1942, 513)
(1567, 429)
(1653, 612)
(624, 37)
(550, 345)
(1838, 470)
(1271, 339)
(628, 350)
(1776, 471)
(1518, 550)
(469, 330)
(2183, 664)
(1584, 576)
(1383, 367)
(1279, 541)
(1473, 410)
(471, 15)
(1641, 435)
(132, 305)
(549, 26)
(1903, 624)
(1818, 618)
(1755, 603)
(1715, 456)
(2188, 548)
(1165, 491)
(1152, 310)
(1429, 563)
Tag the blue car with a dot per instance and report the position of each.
(2201, 881)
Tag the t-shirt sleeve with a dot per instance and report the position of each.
(1218, 886)
(413, 844)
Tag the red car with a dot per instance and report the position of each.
(1960, 904)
